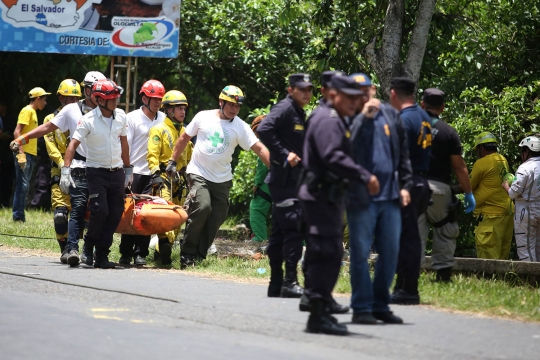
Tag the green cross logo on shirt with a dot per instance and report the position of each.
(216, 139)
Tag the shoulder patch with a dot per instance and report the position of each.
(347, 134)
(155, 138)
(298, 127)
(333, 113)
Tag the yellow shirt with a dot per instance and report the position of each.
(161, 140)
(28, 118)
(56, 142)
(486, 179)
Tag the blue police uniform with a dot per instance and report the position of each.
(282, 132)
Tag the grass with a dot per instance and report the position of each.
(507, 297)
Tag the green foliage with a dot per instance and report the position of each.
(243, 178)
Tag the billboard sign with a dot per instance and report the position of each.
(147, 28)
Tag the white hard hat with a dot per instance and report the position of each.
(532, 142)
(91, 77)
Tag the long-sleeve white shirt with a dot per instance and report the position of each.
(526, 187)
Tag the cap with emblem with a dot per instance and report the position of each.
(346, 85)
(403, 84)
(361, 79)
(327, 76)
(433, 97)
(37, 92)
(300, 80)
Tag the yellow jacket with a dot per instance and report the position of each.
(161, 140)
(56, 143)
(486, 179)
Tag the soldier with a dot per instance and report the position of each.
(209, 174)
(161, 140)
(56, 142)
(328, 168)
(139, 123)
(282, 132)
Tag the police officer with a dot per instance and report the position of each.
(139, 122)
(282, 132)
(56, 142)
(326, 76)
(418, 127)
(328, 167)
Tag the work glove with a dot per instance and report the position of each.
(66, 180)
(21, 160)
(20, 141)
(128, 170)
(156, 181)
(171, 169)
(470, 203)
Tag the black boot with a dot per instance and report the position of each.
(408, 293)
(64, 254)
(186, 260)
(290, 287)
(276, 281)
(87, 255)
(321, 322)
(444, 275)
(333, 308)
(165, 251)
(102, 259)
(399, 283)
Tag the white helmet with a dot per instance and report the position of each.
(532, 142)
(91, 77)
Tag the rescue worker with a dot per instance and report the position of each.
(525, 192)
(282, 132)
(25, 156)
(260, 204)
(56, 142)
(67, 120)
(418, 127)
(108, 168)
(161, 140)
(139, 122)
(494, 209)
(328, 169)
(209, 174)
(441, 215)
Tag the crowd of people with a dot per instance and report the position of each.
(380, 171)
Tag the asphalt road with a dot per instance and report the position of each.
(51, 311)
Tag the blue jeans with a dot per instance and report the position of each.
(380, 225)
(79, 202)
(22, 180)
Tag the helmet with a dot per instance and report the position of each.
(69, 87)
(232, 94)
(484, 138)
(91, 77)
(174, 97)
(532, 142)
(153, 89)
(106, 89)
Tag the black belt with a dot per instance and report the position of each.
(112, 169)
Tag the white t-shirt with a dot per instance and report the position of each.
(67, 119)
(102, 139)
(138, 125)
(216, 141)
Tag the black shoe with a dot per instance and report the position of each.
(444, 275)
(387, 317)
(402, 297)
(304, 303)
(73, 258)
(103, 263)
(124, 260)
(186, 260)
(165, 251)
(364, 318)
(274, 289)
(139, 261)
(336, 308)
(87, 255)
(64, 256)
(291, 290)
(321, 322)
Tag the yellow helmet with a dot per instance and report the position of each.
(484, 138)
(69, 87)
(174, 97)
(232, 94)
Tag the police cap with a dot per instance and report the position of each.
(403, 84)
(362, 79)
(346, 85)
(327, 76)
(300, 80)
(433, 97)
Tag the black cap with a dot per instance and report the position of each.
(433, 97)
(300, 80)
(404, 84)
(327, 76)
(346, 85)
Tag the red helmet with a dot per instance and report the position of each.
(106, 89)
(153, 89)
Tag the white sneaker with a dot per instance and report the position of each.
(212, 250)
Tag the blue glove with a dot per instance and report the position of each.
(470, 203)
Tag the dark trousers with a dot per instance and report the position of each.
(410, 244)
(78, 197)
(106, 205)
(42, 188)
(133, 245)
(324, 248)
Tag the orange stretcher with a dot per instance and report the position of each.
(147, 215)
